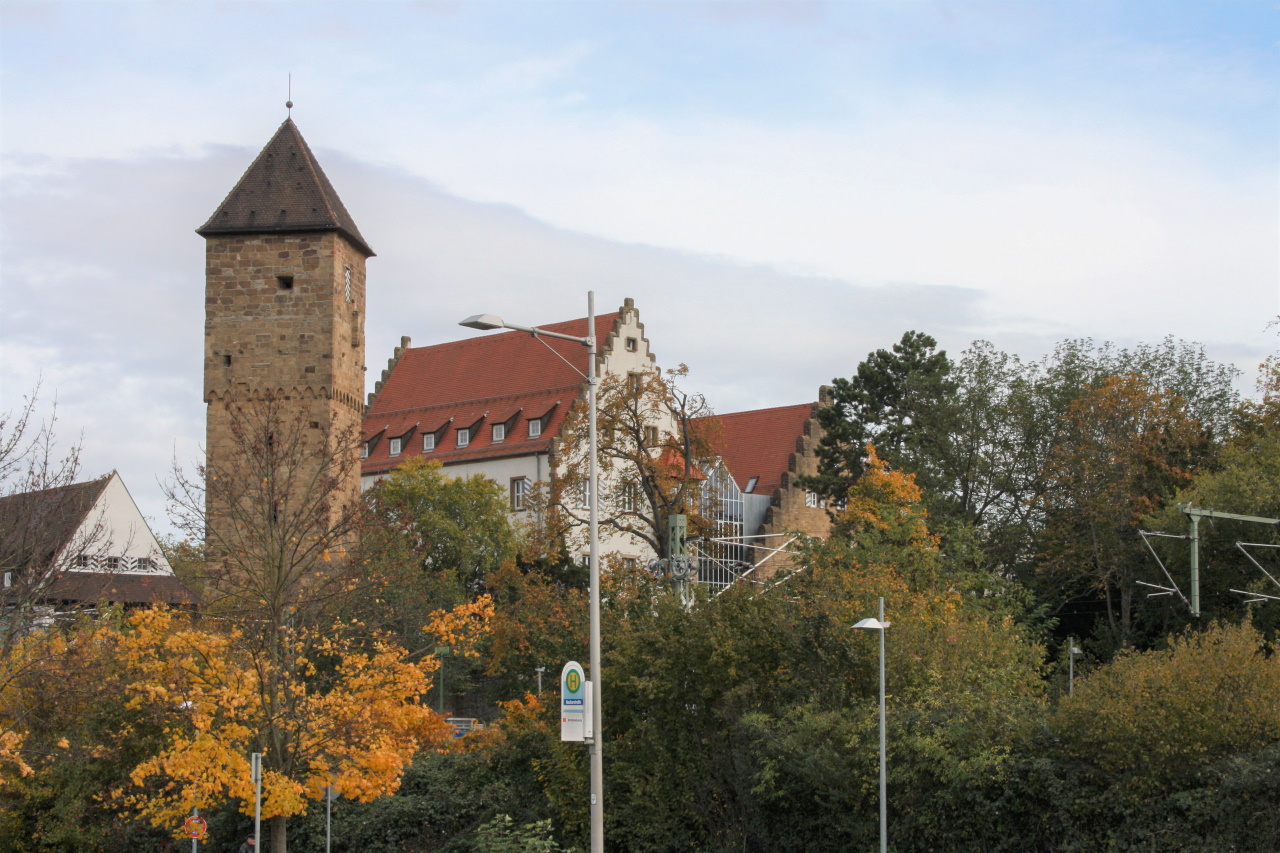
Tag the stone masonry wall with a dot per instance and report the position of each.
(284, 317)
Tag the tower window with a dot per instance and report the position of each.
(285, 282)
(347, 278)
(226, 360)
(464, 437)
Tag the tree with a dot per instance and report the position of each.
(276, 516)
(1125, 450)
(43, 519)
(655, 441)
(324, 708)
(422, 520)
(891, 400)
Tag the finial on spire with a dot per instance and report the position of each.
(288, 105)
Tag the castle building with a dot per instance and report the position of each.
(495, 405)
(284, 340)
(284, 321)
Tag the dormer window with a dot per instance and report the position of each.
(535, 428)
(464, 437)
(364, 450)
(428, 442)
(393, 447)
(499, 433)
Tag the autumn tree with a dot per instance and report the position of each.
(1125, 450)
(323, 707)
(655, 441)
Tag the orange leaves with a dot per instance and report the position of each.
(464, 627)
(322, 708)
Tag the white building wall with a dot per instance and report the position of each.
(114, 530)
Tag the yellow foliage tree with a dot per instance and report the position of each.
(323, 709)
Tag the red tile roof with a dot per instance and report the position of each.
(507, 377)
(759, 443)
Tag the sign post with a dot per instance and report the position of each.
(573, 703)
(195, 828)
(255, 767)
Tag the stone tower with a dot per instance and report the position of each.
(284, 309)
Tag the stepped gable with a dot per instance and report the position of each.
(506, 377)
(284, 190)
(759, 443)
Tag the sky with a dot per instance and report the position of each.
(781, 186)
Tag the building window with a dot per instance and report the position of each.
(143, 564)
(811, 499)
(364, 450)
(632, 345)
(82, 561)
(8, 579)
(464, 437)
(499, 433)
(393, 447)
(630, 563)
(347, 277)
(634, 383)
(629, 497)
(535, 428)
(428, 442)
(651, 436)
(519, 491)
(113, 564)
(585, 503)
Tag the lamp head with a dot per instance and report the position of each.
(871, 624)
(483, 322)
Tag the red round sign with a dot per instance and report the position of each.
(195, 827)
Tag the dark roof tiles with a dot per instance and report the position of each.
(284, 190)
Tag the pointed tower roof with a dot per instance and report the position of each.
(284, 190)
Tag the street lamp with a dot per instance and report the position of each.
(880, 625)
(492, 321)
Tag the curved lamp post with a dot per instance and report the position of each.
(492, 321)
(880, 625)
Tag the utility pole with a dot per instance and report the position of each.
(1194, 514)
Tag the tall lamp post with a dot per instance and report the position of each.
(492, 321)
(880, 625)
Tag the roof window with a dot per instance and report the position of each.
(751, 485)
(499, 433)
(393, 447)
(464, 437)
(428, 442)
(535, 427)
